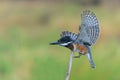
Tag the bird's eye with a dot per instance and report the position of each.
(58, 40)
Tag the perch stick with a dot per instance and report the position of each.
(69, 67)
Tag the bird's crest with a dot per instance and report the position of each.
(73, 36)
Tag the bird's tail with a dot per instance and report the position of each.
(89, 55)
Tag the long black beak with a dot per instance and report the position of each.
(54, 43)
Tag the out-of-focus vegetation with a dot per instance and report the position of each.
(27, 28)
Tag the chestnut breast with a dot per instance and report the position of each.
(81, 48)
(70, 46)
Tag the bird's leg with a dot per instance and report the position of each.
(78, 56)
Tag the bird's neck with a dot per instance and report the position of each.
(70, 46)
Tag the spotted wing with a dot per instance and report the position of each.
(73, 36)
(89, 29)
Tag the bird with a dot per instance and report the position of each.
(88, 34)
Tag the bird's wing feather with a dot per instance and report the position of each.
(89, 29)
(73, 36)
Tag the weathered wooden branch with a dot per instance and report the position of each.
(69, 67)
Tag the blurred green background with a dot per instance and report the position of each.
(28, 26)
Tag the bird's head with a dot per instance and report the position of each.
(66, 40)
(63, 41)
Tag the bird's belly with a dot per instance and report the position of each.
(81, 49)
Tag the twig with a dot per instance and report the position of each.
(69, 67)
